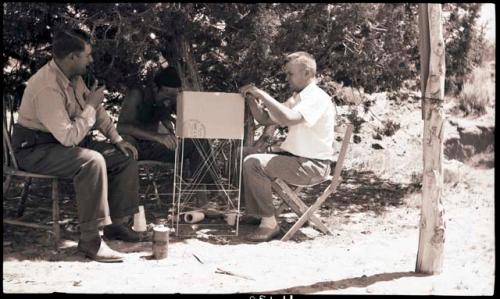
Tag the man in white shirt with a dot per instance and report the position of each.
(307, 152)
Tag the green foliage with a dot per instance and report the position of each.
(343, 95)
(368, 45)
(477, 92)
(389, 128)
(365, 45)
(355, 120)
(465, 43)
(26, 39)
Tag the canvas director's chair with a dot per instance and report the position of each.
(290, 197)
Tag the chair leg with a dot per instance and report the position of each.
(6, 185)
(24, 195)
(148, 179)
(299, 210)
(157, 195)
(317, 222)
(55, 213)
(297, 205)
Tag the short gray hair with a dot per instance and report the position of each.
(303, 58)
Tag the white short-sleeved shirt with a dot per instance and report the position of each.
(314, 137)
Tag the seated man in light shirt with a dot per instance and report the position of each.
(307, 152)
(52, 137)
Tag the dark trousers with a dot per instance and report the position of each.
(106, 181)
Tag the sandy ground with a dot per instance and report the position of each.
(374, 217)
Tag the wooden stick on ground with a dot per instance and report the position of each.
(220, 271)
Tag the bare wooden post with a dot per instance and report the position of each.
(432, 225)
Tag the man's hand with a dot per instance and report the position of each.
(126, 147)
(168, 140)
(251, 91)
(96, 95)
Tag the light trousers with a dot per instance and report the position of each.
(259, 170)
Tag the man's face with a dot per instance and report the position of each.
(297, 76)
(82, 60)
(166, 95)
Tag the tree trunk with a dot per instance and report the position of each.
(178, 55)
(432, 225)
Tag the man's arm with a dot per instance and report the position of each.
(105, 124)
(127, 123)
(51, 111)
(259, 114)
(278, 112)
(103, 121)
(168, 108)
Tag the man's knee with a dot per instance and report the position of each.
(131, 164)
(251, 164)
(94, 159)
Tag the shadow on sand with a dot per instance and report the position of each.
(356, 282)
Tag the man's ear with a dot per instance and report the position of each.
(308, 73)
(73, 55)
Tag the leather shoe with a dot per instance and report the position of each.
(264, 234)
(120, 232)
(249, 220)
(99, 251)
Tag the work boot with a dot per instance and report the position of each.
(120, 232)
(99, 251)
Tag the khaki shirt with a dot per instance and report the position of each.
(52, 103)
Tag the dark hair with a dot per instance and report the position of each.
(168, 77)
(65, 42)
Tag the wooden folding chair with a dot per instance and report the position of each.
(290, 197)
(10, 169)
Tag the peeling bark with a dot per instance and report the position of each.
(432, 225)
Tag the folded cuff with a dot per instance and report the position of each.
(90, 227)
